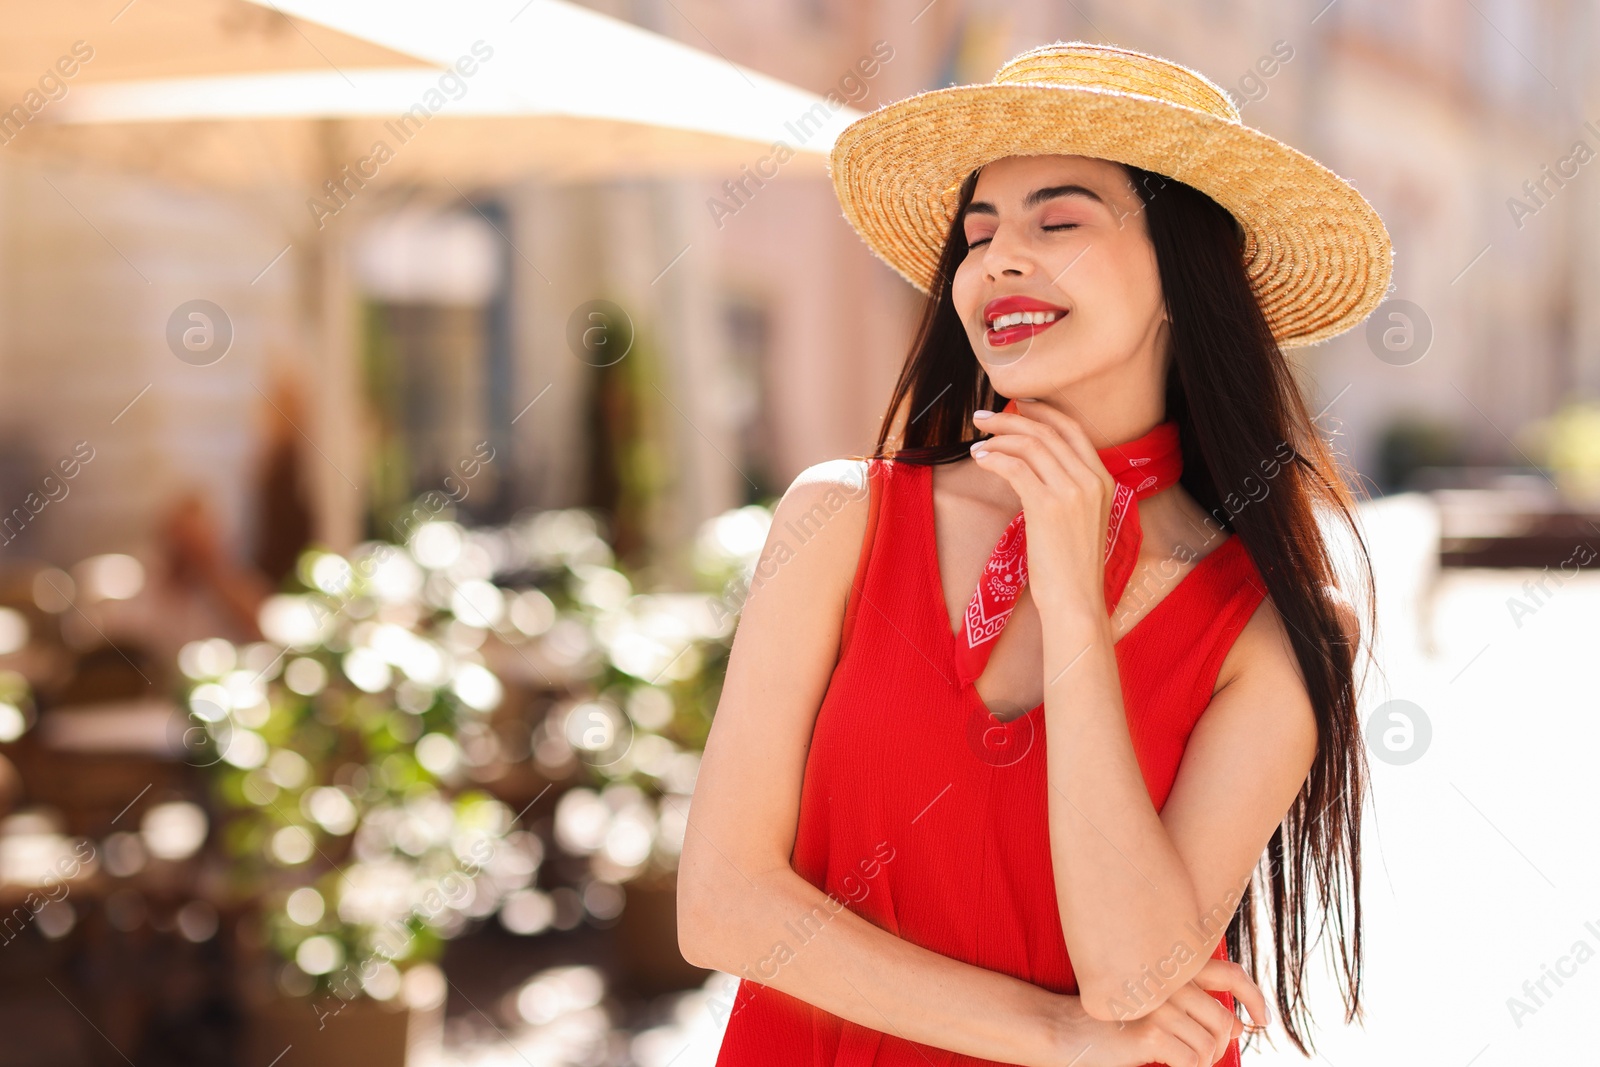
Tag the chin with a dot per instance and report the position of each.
(1013, 372)
(1015, 387)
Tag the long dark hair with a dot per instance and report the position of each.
(1242, 423)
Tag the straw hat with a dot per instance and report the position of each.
(1317, 254)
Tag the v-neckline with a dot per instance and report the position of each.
(952, 638)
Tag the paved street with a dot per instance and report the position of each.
(1479, 857)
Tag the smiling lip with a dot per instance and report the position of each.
(1010, 305)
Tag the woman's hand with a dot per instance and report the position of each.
(1066, 494)
(1191, 1028)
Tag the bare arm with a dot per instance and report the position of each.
(739, 900)
(738, 897)
(1146, 882)
(1151, 892)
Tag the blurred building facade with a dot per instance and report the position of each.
(762, 336)
(1439, 113)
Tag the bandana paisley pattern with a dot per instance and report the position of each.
(1141, 467)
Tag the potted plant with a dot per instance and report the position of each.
(338, 752)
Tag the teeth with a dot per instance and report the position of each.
(1017, 318)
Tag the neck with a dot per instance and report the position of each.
(1121, 402)
(1125, 427)
(1147, 462)
(1135, 444)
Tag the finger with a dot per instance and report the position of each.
(1070, 496)
(1014, 469)
(1025, 425)
(1166, 1048)
(1206, 1008)
(1210, 1013)
(1070, 430)
(1045, 458)
(1053, 424)
(1218, 1026)
(1225, 976)
(1180, 1024)
(1073, 434)
(1046, 470)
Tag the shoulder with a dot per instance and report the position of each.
(1262, 646)
(1263, 659)
(845, 475)
(818, 524)
(833, 488)
(1260, 690)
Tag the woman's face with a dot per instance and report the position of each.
(1062, 239)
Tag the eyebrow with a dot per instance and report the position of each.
(1037, 197)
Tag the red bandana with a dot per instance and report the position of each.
(1141, 467)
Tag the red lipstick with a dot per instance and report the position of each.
(1016, 311)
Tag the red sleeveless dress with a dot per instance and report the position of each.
(926, 815)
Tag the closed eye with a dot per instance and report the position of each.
(1058, 226)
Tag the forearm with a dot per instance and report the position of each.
(854, 969)
(1124, 892)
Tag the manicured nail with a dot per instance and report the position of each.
(977, 450)
(982, 413)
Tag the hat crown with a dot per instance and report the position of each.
(1080, 65)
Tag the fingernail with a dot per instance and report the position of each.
(982, 413)
(976, 451)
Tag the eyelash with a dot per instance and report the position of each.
(1059, 226)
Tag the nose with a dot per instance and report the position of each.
(1008, 254)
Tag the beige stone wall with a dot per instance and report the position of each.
(1435, 112)
(1424, 106)
(93, 266)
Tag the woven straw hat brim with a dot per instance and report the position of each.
(1317, 254)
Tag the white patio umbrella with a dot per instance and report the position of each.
(118, 40)
(541, 88)
(548, 89)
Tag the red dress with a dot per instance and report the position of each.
(927, 816)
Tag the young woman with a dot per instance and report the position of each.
(1019, 703)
